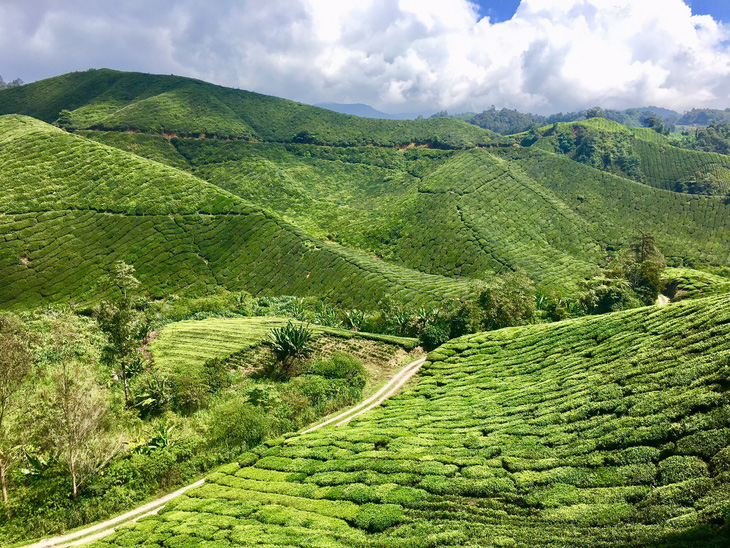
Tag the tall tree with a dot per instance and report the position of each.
(125, 327)
(16, 360)
(80, 417)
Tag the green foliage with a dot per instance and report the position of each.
(291, 342)
(609, 431)
(340, 366)
(237, 426)
(107, 99)
(434, 336)
(507, 300)
(125, 327)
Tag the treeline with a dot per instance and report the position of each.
(14, 84)
(509, 122)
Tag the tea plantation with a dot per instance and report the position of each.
(461, 212)
(109, 99)
(185, 346)
(72, 207)
(603, 431)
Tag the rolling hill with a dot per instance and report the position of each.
(108, 99)
(603, 432)
(72, 207)
(438, 197)
(641, 154)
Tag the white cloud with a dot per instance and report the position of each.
(398, 55)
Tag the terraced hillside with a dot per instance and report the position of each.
(641, 154)
(185, 346)
(72, 207)
(610, 431)
(108, 99)
(459, 212)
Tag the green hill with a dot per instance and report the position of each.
(610, 431)
(72, 207)
(641, 154)
(456, 212)
(108, 99)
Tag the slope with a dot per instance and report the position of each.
(71, 207)
(108, 99)
(604, 432)
(641, 154)
(459, 212)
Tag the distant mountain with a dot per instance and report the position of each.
(365, 111)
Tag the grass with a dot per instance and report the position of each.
(600, 431)
(183, 347)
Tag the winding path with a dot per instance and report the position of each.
(101, 530)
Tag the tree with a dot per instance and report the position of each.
(595, 112)
(507, 300)
(644, 271)
(16, 360)
(125, 327)
(80, 418)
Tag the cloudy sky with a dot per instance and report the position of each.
(396, 55)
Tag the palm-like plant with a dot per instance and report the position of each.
(290, 343)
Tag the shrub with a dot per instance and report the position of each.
(341, 366)
(434, 336)
(237, 426)
(375, 518)
(290, 343)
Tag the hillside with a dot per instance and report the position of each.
(455, 212)
(610, 431)
(640, 154)
(443, 212)
(72, 207)
(122, 101)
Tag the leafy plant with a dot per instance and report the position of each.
(291, 342)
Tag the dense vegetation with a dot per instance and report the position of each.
(507, 122)
(78, 441)
(66, 200)
(608, 431)
(286, 259)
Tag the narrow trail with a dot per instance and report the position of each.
(101, 530)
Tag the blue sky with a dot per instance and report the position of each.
(503, 10)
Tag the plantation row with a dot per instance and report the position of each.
(692, 228)
(107, 99)
(670, 167)
(610, 431)
(57, 256)
(180, 233)
(183, 347)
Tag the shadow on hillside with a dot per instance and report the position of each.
(705, 536)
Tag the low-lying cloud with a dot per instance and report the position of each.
(406, 55)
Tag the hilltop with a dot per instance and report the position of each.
(609, 431)
(125, 101)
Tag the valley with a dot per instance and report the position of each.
(211, 277)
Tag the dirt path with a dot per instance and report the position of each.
(101, 530)
(663, 300)
(388, 390)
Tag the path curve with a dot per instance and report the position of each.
(101, 530)
(105, 528)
